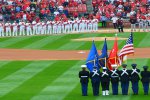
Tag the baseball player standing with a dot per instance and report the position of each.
(44, 28)
(39, 27)
(95, 24)
(54, 27)
(70, 25)
(15, 29)
(75, 26)
(59, 27)
(34, 26)
(49, 27)
(66, 23)
(8, 28)
(22, 28)
(28, 28)
(1, 29)
(90, 25)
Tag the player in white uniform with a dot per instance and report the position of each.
(95, 24)
(8, 28)
(140, 21)
(22, 28)
(28, 28)
(90, 25)
(80, 25)
(62, 27)
(83, 25)
(39, 27)
(86, 25)
(1, 29)
(147, 27)
(54, 27)
(34, 27)
(70, 25)
(75, 26)
(15, 29)
(67, 30)
(59, 27)
(49, 27)
(44, 28)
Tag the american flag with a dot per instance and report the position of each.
(128, 47)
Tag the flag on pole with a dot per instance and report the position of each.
(103, 57)
(113, 56)
(92, 59)
(127, 49)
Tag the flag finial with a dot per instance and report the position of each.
(116, 34)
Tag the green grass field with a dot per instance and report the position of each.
(57, 80)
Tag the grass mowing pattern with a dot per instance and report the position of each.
(64, 42)
(56, 80)
(53, 80)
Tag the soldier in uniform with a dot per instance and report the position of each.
(135, 78)
(95, 80)
(105, 81)
(145, 79)
(124, 78)
(114, 75)
(84, 79)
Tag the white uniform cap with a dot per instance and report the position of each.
(104, 68)
(114, 65)
(83, 66)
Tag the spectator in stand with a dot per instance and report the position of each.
(133, 21)
(7, 17)
(24, 17)
(56, 13)
(1, 17)
(60, 9)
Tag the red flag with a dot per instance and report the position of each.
(113, 56)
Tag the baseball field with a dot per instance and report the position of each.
(46, 67)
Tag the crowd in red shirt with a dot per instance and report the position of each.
(121, 8)
(30, 9)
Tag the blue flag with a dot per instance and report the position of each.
(92, 59)
(103, 57)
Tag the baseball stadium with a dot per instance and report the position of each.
(46, 44)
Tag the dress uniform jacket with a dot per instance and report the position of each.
(114, 76)
(84, 76)
(135, 75)
(145, 76)
(124, 77)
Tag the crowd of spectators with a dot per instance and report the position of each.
(28, 10)
(103, 10)
(106, 9)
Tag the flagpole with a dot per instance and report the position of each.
(117, 52)
(105, 61)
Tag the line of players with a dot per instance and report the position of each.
(47, 27)
(114, 76)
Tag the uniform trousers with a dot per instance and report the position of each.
(115, 88)
(135, 87)
(84, 88)
(145, 87)
(105, 86)
(95, 86)
(125, 87)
